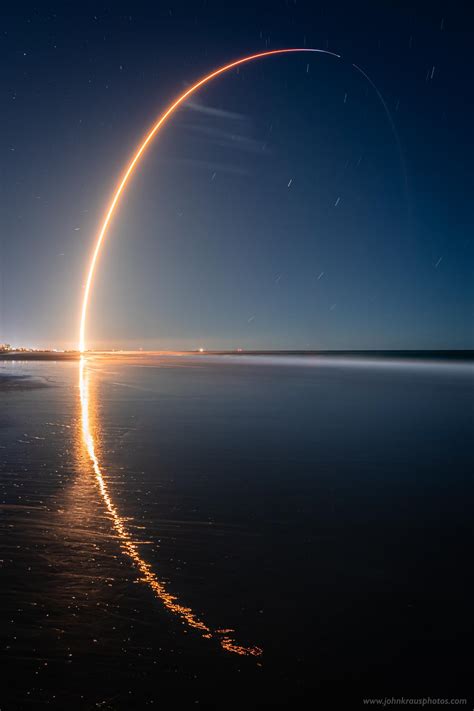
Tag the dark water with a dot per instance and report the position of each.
(321, 510)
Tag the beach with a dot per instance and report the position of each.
(314, 514)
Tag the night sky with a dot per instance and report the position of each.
(284, 207)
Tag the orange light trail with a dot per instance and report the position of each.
(139, 153)
(129, 545)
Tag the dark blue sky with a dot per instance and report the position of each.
(282, 209)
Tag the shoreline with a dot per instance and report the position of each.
(38, 355)
(443, 355)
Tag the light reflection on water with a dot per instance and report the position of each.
(319, 511)
(130, 546)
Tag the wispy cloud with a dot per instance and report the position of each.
(195, 105)
(227, 139)
(215, 128)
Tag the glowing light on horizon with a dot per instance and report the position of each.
(129, 545)
(138, 154)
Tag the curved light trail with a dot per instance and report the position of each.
(139, 153)
(128, 544)
(130, 547)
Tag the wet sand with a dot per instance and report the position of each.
(9, 383)
(316, 510)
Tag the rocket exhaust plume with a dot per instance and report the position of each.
(136, 159)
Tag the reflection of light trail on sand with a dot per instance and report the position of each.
(130, 546)
(141, 149)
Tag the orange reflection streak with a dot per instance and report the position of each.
(130, 547)
(138, 154)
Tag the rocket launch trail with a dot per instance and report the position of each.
(133, 164)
